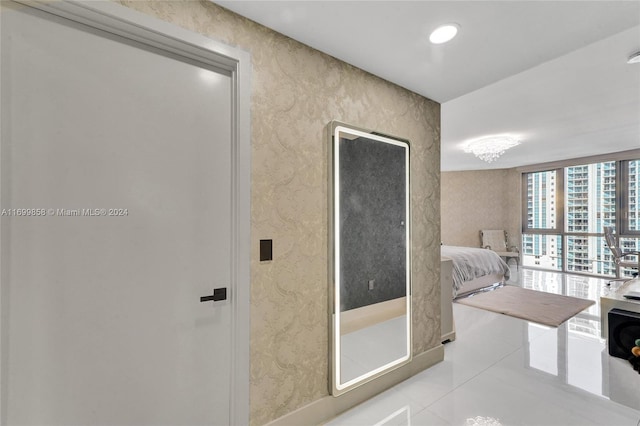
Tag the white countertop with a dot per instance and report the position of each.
(617, 292)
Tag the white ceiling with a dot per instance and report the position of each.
(552, 72)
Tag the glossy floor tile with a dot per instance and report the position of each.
(505, 371)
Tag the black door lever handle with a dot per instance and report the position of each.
(218, 294)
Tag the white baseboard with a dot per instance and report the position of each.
(449, 337)
(328, 407)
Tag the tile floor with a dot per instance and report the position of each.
(505, 371)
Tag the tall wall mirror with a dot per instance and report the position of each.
(370, 291)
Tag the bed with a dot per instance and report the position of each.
(474, 268)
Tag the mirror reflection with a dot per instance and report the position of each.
(371, 255)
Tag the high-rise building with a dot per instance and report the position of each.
(590, 204)
(590, 197)
(541, 250)
(633, 210)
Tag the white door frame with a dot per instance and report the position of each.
(136, 26)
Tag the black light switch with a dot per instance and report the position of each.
(266, 250)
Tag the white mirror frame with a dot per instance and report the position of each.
(336, 128)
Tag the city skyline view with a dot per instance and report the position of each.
(567, 209)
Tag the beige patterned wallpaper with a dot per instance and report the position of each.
(480, 199)
(296, 92)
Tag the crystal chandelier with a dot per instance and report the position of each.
(490, 148)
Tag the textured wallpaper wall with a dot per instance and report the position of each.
(480, 199)
(296, 91)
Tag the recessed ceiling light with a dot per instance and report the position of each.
(443, 33)
(634, 59)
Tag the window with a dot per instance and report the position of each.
(565, 210)
(544, 251)
(590, 255)
(540, 190)
(541, 239)
(631, 198)
(590, 193)
(629, 244)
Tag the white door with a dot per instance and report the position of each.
(116, 180)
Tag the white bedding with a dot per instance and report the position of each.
(470, 263)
